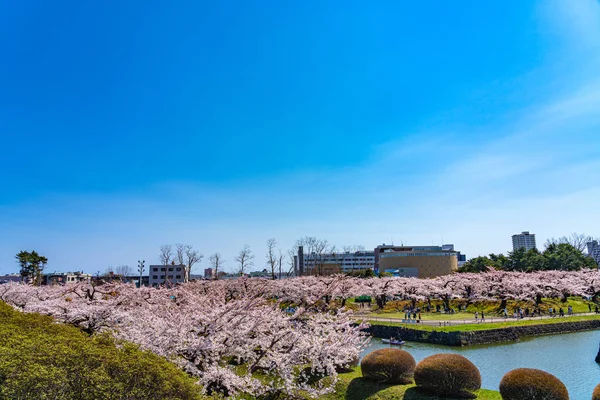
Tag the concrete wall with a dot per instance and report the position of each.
(481, 337)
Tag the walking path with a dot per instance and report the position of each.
(453, 322)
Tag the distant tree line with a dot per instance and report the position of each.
(562, 254)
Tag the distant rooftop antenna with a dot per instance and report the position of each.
(392, 240)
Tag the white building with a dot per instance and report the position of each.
(166, 274)
(346, 262)
(62, 278)
(525, 240)
(593, 250)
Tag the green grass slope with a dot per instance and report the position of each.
(40, 359)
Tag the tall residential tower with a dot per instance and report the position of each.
(525, 240)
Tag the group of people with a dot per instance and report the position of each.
(412, 312)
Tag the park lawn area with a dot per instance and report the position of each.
(353, 386)
(483, 327)
(489, 307)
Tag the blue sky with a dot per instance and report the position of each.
(128, 125)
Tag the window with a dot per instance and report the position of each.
(155, 269)
(170, 268)
(178, 277)
(163, 269)
(178, 269)
(154, 277)
(170, 276)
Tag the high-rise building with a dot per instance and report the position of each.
(525, 240)
(593, 250)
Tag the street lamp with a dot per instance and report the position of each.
(141, 269)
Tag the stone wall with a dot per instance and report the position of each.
(481, 337)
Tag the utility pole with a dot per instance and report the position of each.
(141, 269)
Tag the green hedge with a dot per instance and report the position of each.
(448, 375)
(44, 360)
(389, 366)
(596, 394)
(530, 383)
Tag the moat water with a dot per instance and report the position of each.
(569, 357)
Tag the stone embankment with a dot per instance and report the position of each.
(507, 334)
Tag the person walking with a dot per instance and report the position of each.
(476, 316)
(482, 317)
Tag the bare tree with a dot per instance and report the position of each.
(271, 257)
(314, 252)
(187, 256)
(166, 256)
(124, 271)
(244, 259)
(191, 257)
(280, 258)
(216, 261)
(292, 254)
(577, 240)
(179, 253)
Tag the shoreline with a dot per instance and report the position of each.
(494, 335)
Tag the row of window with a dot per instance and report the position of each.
(436, 254)
(163, 269)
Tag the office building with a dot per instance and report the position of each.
(593, 250)
(416, 261)
(331, 263)
(166, 274)
(525, 240)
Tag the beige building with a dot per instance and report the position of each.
(416, 261)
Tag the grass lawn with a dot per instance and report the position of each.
(394, 309)
(353, 386)
(483, 327)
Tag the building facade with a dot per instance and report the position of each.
(413, 261)
(524, 240)
(593, 250)
(416, 261)
(62, 278)
(331, 263)
(166, 274)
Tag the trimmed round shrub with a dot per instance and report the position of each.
(450, 375)
(389, 366)
(532, 384)
(596, 394)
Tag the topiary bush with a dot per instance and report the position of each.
(596, 394)
(532, 384)
(388, 366)
(448, 375)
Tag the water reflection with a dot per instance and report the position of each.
(569, 356)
